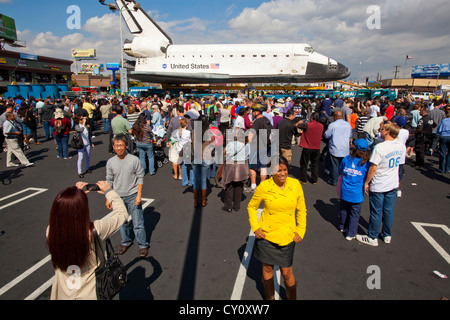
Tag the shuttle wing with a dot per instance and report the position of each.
(140, 23)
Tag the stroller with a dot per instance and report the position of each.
(158, 146)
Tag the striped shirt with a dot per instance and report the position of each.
(132, 117)
(362, 120)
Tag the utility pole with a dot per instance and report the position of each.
(396, 71)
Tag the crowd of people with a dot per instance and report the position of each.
(246, 144)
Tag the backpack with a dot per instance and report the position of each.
(212, 113)
(218, 137)
(59, 127)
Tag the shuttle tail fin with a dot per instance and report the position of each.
(140, 23)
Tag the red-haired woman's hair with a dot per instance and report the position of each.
(68, 238)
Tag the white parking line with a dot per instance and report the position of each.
(243, 268)
(24, 275)
(419, 226)
(48, 283)
(38, 191)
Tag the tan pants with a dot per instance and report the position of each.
(287, 153)
(14, 148)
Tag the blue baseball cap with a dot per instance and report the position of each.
(401, 121)
(361, 144)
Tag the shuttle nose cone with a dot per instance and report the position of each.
(342, 71)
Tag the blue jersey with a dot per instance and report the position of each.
(354, 176)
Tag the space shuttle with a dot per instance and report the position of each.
(159, 60)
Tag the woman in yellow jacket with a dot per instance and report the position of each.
(282, 224)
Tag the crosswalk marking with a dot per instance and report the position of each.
(145, 203)
(420, 227)
(38, 191)
(245, 262)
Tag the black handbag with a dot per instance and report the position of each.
(77, 141)
(110, 275)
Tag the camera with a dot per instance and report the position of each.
(92, 187)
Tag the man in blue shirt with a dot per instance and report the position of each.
(443, 131)
(326, 107)
(339, 133)
(338, 103)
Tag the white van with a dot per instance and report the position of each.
(422, 95)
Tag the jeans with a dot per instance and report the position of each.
(212, 170)
(185, 178)
(146, 149)
(370, 141)
(48, 130)
(63, 145)
(444, 154)
(381, 211)
(86, 149)
(105, 125)
(350, 213)
(335, 162)
(200, 173)
(135, 227)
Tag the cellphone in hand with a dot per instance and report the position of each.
(92, 187)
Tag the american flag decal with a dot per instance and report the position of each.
(215, 66)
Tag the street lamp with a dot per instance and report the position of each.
(114, 8)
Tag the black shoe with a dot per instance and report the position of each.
(80, 175)
(226, 209)
(88, 171)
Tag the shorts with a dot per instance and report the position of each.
(255, 160)
(287, 153)
(26, 130)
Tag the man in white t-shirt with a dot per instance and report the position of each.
(382, 184)
(375, 109)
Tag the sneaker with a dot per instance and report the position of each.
(29, 164)
(249, 190)
(387, 239)
(13, 165)
(399, 194)
(349, 238)
(367, 240)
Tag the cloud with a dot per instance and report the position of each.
(100, 33)
(337, 29)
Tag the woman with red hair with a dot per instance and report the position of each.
(70, 240)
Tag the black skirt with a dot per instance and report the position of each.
(273, 254)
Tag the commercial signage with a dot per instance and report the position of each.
(28, 56)
(431, 71)
(7, 28)
(90, 67)
(83, 54)
(112, 66)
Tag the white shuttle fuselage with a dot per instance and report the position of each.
(159, 60)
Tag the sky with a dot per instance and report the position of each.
(370, 37)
